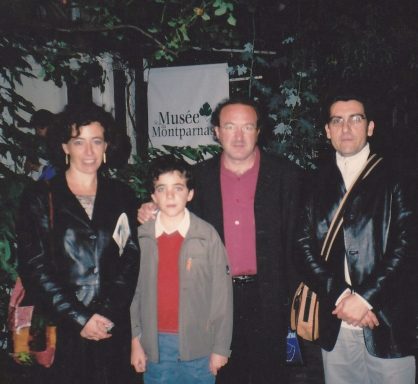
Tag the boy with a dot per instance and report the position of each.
(181, 313)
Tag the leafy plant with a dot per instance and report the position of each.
(10, 191)
(290, 99)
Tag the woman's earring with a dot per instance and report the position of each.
(67, 158)
(104, 157)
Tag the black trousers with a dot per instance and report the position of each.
(258, 354)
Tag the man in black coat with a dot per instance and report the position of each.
(251, 198)
(366, 286)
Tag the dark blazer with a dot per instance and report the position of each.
(275, 207)
(376, 239)
(82, 273)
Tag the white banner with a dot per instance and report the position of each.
(181, 101)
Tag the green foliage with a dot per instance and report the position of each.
(10, 191)
(5, 290)
(290, 100)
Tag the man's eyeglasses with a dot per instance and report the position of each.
(352, 121)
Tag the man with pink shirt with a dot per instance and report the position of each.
(251, 198)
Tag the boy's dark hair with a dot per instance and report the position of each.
(166, 164)
(232, 101)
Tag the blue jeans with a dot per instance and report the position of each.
(171, 370)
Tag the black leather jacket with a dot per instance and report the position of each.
(376, 239)
(83, 272)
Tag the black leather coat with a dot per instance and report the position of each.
(83, 272)
(376, 239)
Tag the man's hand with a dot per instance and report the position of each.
(138, 357)
(96, 328)
(216, 362)
(351, 309)
(146, 212)
(370, 320)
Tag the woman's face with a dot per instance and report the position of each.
(86, 150)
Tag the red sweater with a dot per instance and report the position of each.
(168, 282)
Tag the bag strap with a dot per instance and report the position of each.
(337, 220)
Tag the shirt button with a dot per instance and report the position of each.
(236, 222)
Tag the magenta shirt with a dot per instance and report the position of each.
(238, 192)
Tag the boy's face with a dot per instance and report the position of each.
(171, 194)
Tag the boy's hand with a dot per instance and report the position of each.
(138, 357)
(146, 212)
(216, 362)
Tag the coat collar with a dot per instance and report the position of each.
(63, 197)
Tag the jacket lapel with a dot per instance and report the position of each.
(65, 200)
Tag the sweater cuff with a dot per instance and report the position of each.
(221, 351)
(364, 300)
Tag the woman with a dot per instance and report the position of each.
(85, 276)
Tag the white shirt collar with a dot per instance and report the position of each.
(350, 166)
(182, 228)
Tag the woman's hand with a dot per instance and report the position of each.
(97, 328)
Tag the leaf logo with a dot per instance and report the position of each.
(206, 110)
